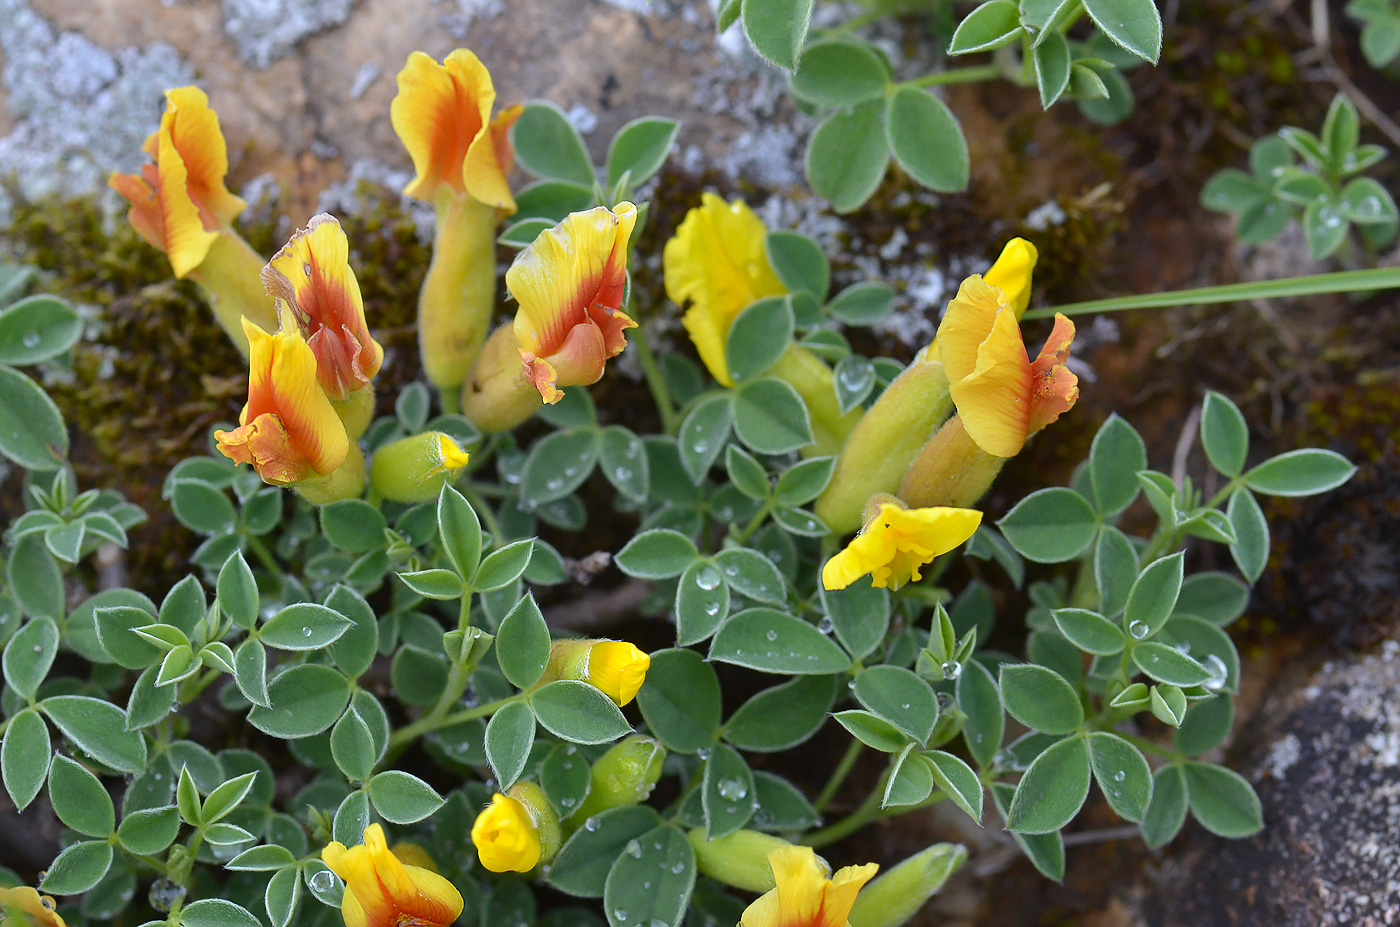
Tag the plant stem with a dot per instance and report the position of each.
(1143, 743)
(472, 494)
(967, 75)
(1345, 281)
(839, 774)
(433, 721)
(867, 812)
(259, 549)
(744, 533)
(660, 392)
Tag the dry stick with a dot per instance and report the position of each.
(1322, 43)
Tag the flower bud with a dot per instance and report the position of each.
(1011, 273)
(886, 441)
(346, 481)
(896, 896)
(809, 375)
(950, 470)
(517, 832)
(739, 859)
(28, 908)
(415, 469)
(625, 775)
(384, 887)
(617, 668)
(496, 396)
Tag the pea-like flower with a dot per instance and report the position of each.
(897, 542)
(570, 284)
(28, 908)
(381, 891)
(288, 430)
(1011, 273)
(617, 668)
(805, 896)
(1001, 394)
(506, 837)
(717, 262)
(311, 280)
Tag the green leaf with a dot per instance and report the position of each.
(702, 602)
(862, 304)
(35, 579)
(149, 831)
(355, 650)
(759, 336)
(1263, 221)
(1153, 596)
(900, 697)
(1251, 547)
(32, 433)
(1089, 631)
(799, 262)
(36, 329)
(250, 672)
(1224, 434)
(305, 700)
(504, 566)
(202, 508)
(304, 626)
(25, 755)
(433, 584)
(726, 791)
(771, 641)
(1050, 525)
(1132, 24)
(353, 525)
(783, 716)
(1122, 773)
(352, 746)
(262, 859)
(958, 782)
(1051, 57)
(847, 155)
(752, 575)
(1053, 789)
(777, 29)
(873, 731)
(770, 417)
(78, 868)
(1340, 130)
(1223, 801)
(460, 531)
(216, 912)
(704, 432)
(1366, 202)
(657, 554)
(552, 200)
(992, 25)
(522, 644)
(640, 148)
(565, 778)
(1115, 569)
(1380, 41)
(577, 712)
(509, 737)
(401, 798)
(910, 780)
(624, 462)
(859, 614)
(1167, 664)
(1168, 704)
(652, 886)
(1218, 598)
(548, 146)
(29, 655)
(1167, 811)
(927, 140)
(237, 592)
(680, 700)
(79, 799)
(1324, 228)
(1040, 698)
(840, 72)
(1206, 725)
(781, 805)
(1232, 190)
(803, 482)
(1304, 472)
(583, 863)
(1115, 458)
(98, 728)
(558, 464)
(980, 699)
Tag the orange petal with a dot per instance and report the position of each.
(312, 277)
(439, 113)
(145, 214)
(187, 240)
(1055, 389)
(966, 325)
(542, 376)
(265, 444)
(994, 400)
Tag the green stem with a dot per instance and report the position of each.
(968, 75)
(472, 494)
(660, 392)
(260, 550)
(744, 533)
(1345, 281)
(1143, 743)
(868, 811)
(430, 722)
(451, 400)
(839, 774)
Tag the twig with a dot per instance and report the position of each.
(598, 610)
(1184, 442)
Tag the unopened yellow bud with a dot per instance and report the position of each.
(886, 441)
(459, 291)
(812, 378)
(415, 469)
(896, 896)
(617, 668)
(625, 775)
(517, 832)
(497, 396)
(739, 859)
(950, 470)
(1011, 273)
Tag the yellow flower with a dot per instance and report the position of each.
(311, 280)
(380, 891)
(569, 284)
(718, 263)
(1011, 273)
(617, 668)
(804, 896)
(1002, 396)
(506, 837)
(415, 469)
(179, 203)
(442, 114)
(25, 907)
(895, 544)
(288, 430)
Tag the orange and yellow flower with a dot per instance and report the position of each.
(311, 280)
(442, 114)
(804, 896)
(570, 284)
(27, 908)
(288, 430)
(897, 542)
(717, 262)
(1001, 394)
(381, 891)
(179, 202)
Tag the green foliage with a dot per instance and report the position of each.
(1380, 30)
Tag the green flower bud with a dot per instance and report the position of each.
(415, 469)
(625, 775)
(812, 378)
(346, 481)
(951, 470)
(898, 895)
(543, 814)
(739, 859)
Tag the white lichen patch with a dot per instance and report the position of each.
(265, 30)
(1282, 755)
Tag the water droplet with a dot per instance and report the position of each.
(622, 474)
(678, 868)
(554, 484)
(620, 915)
(732, 789)
(1183, 648)
(1139, 629)
(591, 823)
(32, 339)
(707, 577)
(1219, 672)
(771, 635)
(945, 701)
(952, 669)
(1119, 776)
(633, 849)
(712, 609)
(306, 632)
(703, 753)
(323, 882)
(826, 625)
(700, 447)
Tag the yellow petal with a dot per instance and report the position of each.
(505, 836)
(488, 163)
(618, 669)
(994, 400)
(764, 912)
(1012, 273)
(29, 908)
(381, 891)
(439, 113)
(897, 543)
(194, 127)
(187, 241)
(965, 325)
(840, 894)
